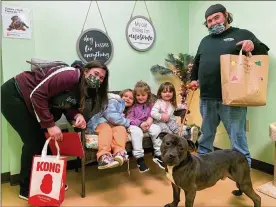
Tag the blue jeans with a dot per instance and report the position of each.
(234, 121)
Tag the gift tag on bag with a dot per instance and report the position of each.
(48, 176)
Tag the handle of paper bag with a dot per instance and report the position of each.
(44, 150)
(240, 63)
(248, 54)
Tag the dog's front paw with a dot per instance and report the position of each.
(171, 205)
(237, 192)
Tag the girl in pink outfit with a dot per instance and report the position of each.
(164, 107)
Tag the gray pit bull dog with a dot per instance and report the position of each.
(192, 173)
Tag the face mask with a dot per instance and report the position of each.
(93, 82)
(217, 29)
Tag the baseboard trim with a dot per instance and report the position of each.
(75, 164)
(259, 165)
(14, 179)
(262, 166)
(5, 177)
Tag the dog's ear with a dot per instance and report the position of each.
(161, 135)
(191, 145)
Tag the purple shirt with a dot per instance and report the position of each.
(139, 113)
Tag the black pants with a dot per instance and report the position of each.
(25, 124)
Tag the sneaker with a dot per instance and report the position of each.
(158, 161)
(24, 195)
(66, 187)
(121, 157)
(194, 134)
(142, 165)
(107, 161)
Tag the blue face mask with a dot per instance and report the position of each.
(217, 29)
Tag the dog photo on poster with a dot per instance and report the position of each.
(16, 22)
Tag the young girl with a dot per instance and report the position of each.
(141, 121)
(128, 97)
(163, 109)
(112, 135)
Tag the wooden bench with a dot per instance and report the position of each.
(90, 154)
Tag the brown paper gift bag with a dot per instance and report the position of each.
(244, 79)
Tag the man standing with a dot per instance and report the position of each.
(223, 39)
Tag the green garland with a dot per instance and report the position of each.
(182, 63)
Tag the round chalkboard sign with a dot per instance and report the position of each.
(94, 44)
(140, 33)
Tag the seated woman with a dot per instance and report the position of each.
(112, 135)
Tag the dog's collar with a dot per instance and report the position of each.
(183, 162)
(187, 160)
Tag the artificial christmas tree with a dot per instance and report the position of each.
(182, 67)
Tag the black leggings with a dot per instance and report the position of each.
(25, 124)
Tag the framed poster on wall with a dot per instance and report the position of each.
(140, 33)
(94, 44)
(16, 22)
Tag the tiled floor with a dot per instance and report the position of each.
(114, 187)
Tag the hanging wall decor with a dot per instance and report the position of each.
(94, 44)
(140, 32)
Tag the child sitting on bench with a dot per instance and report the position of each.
(110, 126)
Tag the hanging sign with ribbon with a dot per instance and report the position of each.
(140, 32)
(94, 44)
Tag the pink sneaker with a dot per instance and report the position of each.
(121, 157)
(107, 161)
